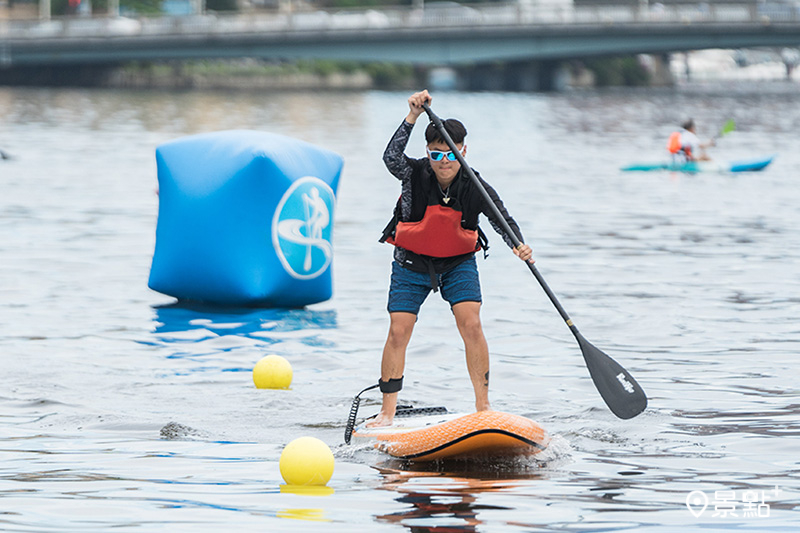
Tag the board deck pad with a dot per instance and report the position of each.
(430, 434)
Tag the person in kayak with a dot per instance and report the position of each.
(435, 232)
(685, 146)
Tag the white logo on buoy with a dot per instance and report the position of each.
(302, 228)
(627, 385)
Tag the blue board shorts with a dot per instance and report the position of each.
(409, 289)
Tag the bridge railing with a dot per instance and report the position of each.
(445, 15)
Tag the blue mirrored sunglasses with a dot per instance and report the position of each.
(436, 155)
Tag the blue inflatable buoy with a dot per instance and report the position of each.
(245, 218)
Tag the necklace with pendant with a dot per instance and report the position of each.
(445, 193)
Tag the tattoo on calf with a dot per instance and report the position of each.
(486, 377)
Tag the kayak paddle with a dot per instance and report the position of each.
(619, 390)
(729, 126)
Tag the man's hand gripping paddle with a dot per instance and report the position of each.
(621, 392)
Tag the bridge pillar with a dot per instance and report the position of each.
(484, 77)
(518, 76)
(661, 74)
(532, 76)
(790, 58)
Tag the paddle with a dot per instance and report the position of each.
(729, 126)
(619, 390)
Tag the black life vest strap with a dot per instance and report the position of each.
(431, 272)
(389, 230)
(393, 385)
(483, 242)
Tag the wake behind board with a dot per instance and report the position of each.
(433, 433)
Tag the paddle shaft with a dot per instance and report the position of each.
(498, 215)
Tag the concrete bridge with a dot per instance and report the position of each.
(447, 34)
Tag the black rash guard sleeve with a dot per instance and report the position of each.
(394, 157)
(400, 165)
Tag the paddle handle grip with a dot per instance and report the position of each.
(498, 215)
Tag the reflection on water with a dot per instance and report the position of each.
(443, 511)
(446, 501)
(453, 506)
(180, 322)
(312, 515)
(454, 495)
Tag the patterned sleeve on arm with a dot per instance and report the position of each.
(394, 156)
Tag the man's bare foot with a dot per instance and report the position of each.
(382, 420)
(483, 406)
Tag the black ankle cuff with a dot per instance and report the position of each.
(393, 385)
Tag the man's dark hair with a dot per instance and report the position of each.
(688, 124)
(453, 127)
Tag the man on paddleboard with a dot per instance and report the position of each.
(435, 232)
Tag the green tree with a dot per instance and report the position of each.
(618, 71)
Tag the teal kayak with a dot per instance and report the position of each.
(742, 165)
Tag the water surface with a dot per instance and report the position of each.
(120, 409)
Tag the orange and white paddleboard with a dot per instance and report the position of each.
(433, 433)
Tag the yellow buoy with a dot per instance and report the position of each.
(306, 461)
(272, 372)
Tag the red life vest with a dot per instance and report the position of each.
(675, 145)
(438, 234)
(674, 142)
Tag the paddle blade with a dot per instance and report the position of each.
(619, 390)
(728, 127)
